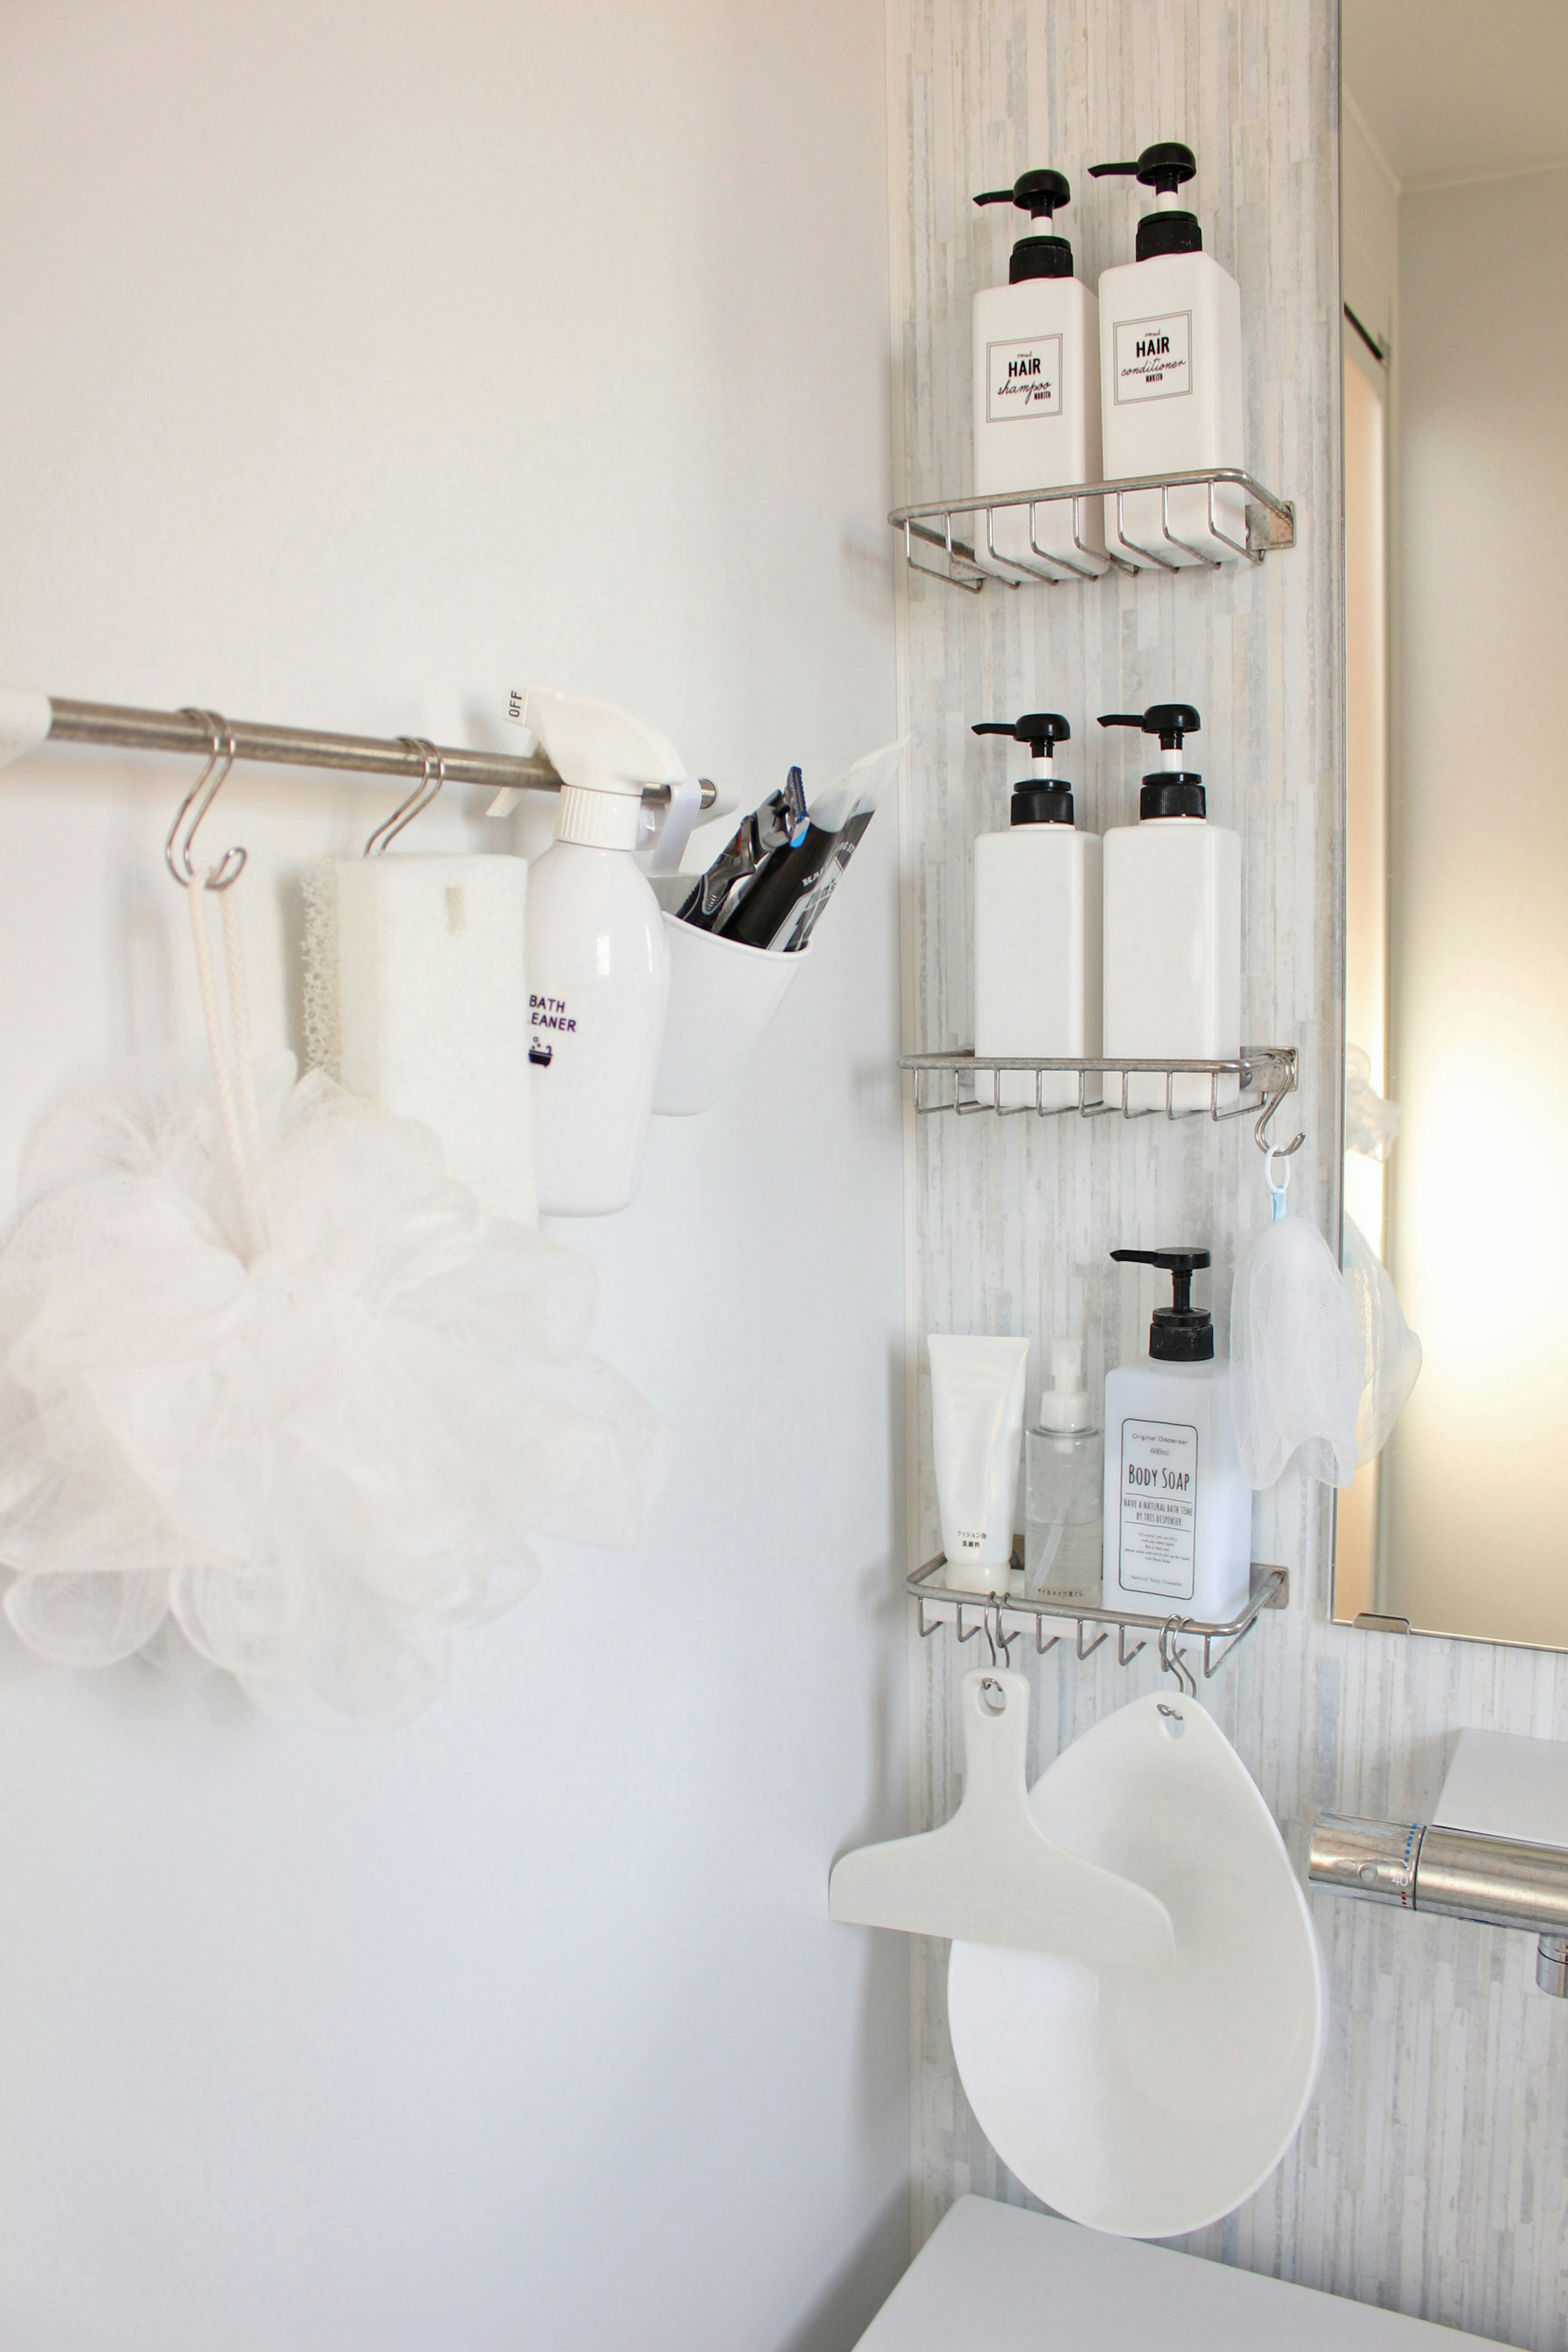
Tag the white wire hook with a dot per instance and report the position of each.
(424, 792)
(1278, 1185)
(194, 808)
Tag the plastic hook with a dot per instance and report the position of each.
(1278, 1185)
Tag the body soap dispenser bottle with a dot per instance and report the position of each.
(1037, 957)
(1170, 364)
(598, 960)
(1172, 928)
(1178, 1512)
(1036, 397)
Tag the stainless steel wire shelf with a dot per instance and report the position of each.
(1260, 1078)
(1004, 1618)
(1270, 525)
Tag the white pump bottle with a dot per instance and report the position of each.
(599, 962)
(1170, 378)
(1037, 962)
(1172, 929)
(1037, 398)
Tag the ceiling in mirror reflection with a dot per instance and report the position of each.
(1459, 90)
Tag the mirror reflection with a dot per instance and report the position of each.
(1454, 245)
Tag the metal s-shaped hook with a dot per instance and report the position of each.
(194, 808)
(1261, 1135)
(424, 792)
(1173, 1660)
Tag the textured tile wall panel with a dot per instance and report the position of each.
(1431, 2172)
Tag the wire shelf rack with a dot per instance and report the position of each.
(1255, 1082)
(1004, 1618)
(1270, 525)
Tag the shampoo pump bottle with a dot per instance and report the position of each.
(1037, 927)
(1178, 1512)
(1173, 928)
(1170, 364)
(599, 962)
(1064, 1483)
(1036, 396)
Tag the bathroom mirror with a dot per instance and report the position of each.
(1454, 182)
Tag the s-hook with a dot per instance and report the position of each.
(1261, 1137)
(194, 806)
(997, 1638)
(424, 792)
(1174, 1661)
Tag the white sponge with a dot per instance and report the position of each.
(416, 998)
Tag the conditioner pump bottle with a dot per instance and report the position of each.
(1037, 927)
(1036, 396)
(1170, 365)
(1173, 928)
(599, 962)
(1178, 1512)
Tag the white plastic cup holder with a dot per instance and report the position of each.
(721, 997)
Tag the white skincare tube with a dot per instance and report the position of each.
(977, 1418)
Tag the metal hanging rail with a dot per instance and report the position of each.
(111, 724)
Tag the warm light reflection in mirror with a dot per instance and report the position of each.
(1455, 471)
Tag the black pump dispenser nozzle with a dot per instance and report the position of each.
(1040, 799)
(1180, 1333)
(1163, 167)
(1042, 254)
(1172, 789)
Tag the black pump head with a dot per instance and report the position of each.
(1170, 791)
(1163, 167)
(1042, 731)
(1180, 1333)
(1040, 254)
(1038, 800)
(1169, 720)
(1036, 193)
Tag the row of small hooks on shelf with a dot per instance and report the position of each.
(1261, 1077)
(999, 1642)
(1093, 1626)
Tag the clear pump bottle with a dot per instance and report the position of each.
(1064, 1484)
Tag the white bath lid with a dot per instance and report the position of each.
(1141, 2101)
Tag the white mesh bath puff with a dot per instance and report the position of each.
(1390, 1351)
(1295, 1360)
(313, 1457)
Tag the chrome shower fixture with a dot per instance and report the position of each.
(1461, 1873)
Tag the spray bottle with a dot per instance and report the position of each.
(598, 964)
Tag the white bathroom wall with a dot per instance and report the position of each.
(1432, 2170)
(361, 360)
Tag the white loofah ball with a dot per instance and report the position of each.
(315, 1464)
